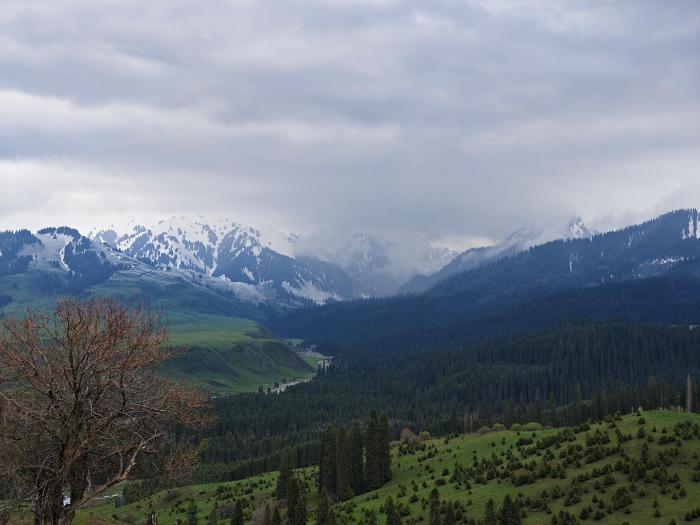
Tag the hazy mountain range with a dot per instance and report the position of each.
(646, 272)
(249, 268)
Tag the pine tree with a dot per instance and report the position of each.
(373, 467)
(329, 467)
(296, 502)
(434, 508)
(331, 518)
(292, 500)
(301, 514)
(490, 513)
(237, 515)
(342, 465)
(192, 513)
(392, 514)
(323, 508)
(357, 467)
(384, 449)
(450, 515)
(286, 473)
(509, 513)
(371, 518)
(321, 463)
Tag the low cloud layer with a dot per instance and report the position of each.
(451, 119)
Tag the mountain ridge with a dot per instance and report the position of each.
(472, 258)
(558, 281)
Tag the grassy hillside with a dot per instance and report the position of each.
(551, 471)
(228, 354)
(228, 351)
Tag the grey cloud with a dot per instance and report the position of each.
(447, 119)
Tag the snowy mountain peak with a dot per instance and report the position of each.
(578, 229)
(230, 252)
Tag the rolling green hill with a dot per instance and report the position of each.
(636, 470)
(228, 351)
(228, 354)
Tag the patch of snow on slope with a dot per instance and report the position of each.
(309, 291)
(52, 249)
(693, 231)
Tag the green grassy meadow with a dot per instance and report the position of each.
(227, 350)
(433, 465)
(231, 355)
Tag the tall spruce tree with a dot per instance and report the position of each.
(434, 507)
(384, 449)
(321, 461)
(296, 502)
(509, 513)
(373, 465)
(323, 508)
(329, 461)
(490, 517)
(357, 466)
(342, 465)
(237, 515)
(392, 514)
(286, 473)
(450, 515)
(192, 513)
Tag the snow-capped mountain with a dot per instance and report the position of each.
(231, 267)
(650, 249)
(233, 253)
(578, 229)
(516, 242)
(61, 261)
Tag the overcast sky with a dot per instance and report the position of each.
(449, 118)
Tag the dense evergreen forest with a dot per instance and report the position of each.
(542, 378)
(424, 322)
(645, 273)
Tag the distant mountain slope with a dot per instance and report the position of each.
(475, 257)
(227, 353)
(234, 253)
(636, 252)
(37, 268)
(649, 271)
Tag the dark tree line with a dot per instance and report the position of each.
(351, 462)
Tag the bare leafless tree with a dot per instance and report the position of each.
(15, 486)
(83, 406)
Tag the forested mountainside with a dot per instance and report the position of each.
(646, 272)
(616, 366)
(515, 243)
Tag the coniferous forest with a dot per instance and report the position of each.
(562, 376)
